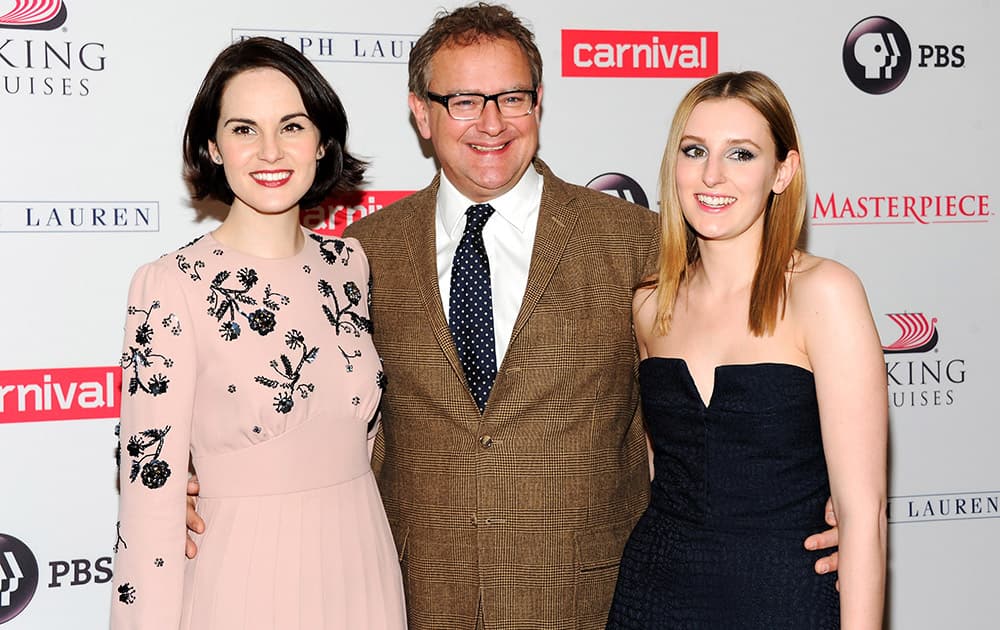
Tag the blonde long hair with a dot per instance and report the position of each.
(783, 216)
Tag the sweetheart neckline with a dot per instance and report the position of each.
(722, 366)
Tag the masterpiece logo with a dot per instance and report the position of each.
(832, 209)
(877, 55)
(920, 381)
(621, 186)
(92, 216)
(924, 508)
(337, 212)
(341, 47)
(60, 394)
(36, 65)
(639, 54)
(18, 577)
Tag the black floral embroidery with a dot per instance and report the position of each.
(155, 471)
(289, 383)
(228, 302)
(333, 250)
(257, 429)
(381, 380)
(121, 541)
(307, 268)
(231, 389)
(345, 319)
(190, 269)
(158, 562)
(141, 358)
(349, 367)
(356, 401)
(126, 594)
(217, 252)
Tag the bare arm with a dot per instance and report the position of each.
(845, 353)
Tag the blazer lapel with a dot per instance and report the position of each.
(556, 220)
(422, 251)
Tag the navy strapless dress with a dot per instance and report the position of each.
(739, 485)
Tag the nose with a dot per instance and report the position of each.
(713, 173)
(269, 148)
(491, 121)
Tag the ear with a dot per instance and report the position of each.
(420, 109)
(537, 113)
(213, 151)
(320, 152)
(786, 170)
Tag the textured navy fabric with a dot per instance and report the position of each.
(740, 483)
(470, 307)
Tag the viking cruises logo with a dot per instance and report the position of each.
(920, 381)
(621, 186)
(341, 47)
(640, 54)
(36, 66)
(59, 394)
(18, 577)
(339, 211)
(33, 14)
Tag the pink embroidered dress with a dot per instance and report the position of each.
(263, 370)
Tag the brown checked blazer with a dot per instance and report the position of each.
(524, 509)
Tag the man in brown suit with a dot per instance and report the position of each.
(510, 502)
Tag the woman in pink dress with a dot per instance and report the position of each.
(250, 351)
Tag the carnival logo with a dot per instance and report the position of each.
(916, 333)
(59, 394)
(920, 381)
(639, 54)
(337, 212)
(39, 15)
(93, 216)
(18, 577)
(959, 506)
(833, 209)
(341, 47)
(620, 185)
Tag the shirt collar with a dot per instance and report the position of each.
(515, 206)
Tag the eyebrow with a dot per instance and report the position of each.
(689, 138)
(248, 121)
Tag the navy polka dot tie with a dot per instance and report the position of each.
(470, 309)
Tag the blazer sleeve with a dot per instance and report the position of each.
(158, 376)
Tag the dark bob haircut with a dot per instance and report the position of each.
(338, 171)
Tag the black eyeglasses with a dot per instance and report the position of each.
(511, 104)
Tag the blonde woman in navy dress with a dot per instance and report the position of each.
(763, 388)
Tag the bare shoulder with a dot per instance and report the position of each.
(644, 302)
(822, 282)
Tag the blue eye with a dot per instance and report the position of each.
(694, 151)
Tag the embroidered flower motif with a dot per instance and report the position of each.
(333, 249)
(262, 321)
(217, 252)
(356, 401)
(141, 357)
(126, 594)
(231, 389)
(121, 541)
(257, 429)
(307, 268)
(229, 331)
(344, 319)
(289, 374)
(158, 562)
(381, 380)
(155, 473)
(349, 367)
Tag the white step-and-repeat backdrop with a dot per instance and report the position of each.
(902, 143)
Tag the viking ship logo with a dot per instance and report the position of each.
(916, 333)
(37, 15)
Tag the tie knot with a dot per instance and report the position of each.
(477, 215)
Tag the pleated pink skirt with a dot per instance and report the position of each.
(313, 553)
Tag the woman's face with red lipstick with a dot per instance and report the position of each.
(265, 141)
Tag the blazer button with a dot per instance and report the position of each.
(486, 441)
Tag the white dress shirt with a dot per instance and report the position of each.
(509, 236)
